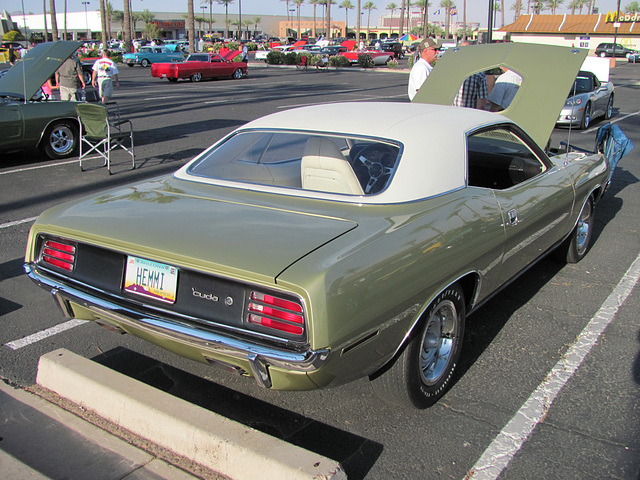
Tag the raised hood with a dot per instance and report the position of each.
(25, 78)
(547, 75)
(220, 233)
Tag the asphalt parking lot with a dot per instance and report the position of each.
(589, 427)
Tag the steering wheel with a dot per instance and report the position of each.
(376, 162)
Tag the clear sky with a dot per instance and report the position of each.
(476, 9)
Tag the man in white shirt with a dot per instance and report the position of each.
(428, 51)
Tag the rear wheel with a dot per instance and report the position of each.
(603, 54)
(574, 248)
(60, 139)
(130, 64)
(145, 63)
(237, 74)
(196, 77)
(424, 369)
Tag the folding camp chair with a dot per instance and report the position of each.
(302, 64)
(101, 133)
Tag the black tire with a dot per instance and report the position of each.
(145, 63)
(173, 80)
(237, 74)
(603, 54)
(196, 77)
(608, 113)
(130, 64)
(575, 247)
(423, 371)
(87, 78)
(586, 117)
(60, 139)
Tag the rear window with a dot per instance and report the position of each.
(317, 162)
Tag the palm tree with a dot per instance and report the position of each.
(135, 18)
(118, 17)
(402, 8)
(358, 17)
(328, 19)
(553, 5)
(108, 10)
(54, 21)
(393, 7)
(255, 21)
(517, 8)
(127, 22)
(424, 5)
(369, 6)
(148, 17)
(315, 4)
(191, 21)
(297, 3)
(347, 5)
(46, 31)
(287, 3)
(103, 24)
(633, 7)
(210, 3)
(226, 4)
(447, 5)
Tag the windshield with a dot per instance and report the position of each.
(325, 163)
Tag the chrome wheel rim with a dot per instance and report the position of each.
(438, 342)
(583, 229)
(61, 139)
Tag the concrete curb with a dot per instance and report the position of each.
(211, 440)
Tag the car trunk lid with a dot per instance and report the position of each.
(236, 236)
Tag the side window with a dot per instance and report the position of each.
(499, 159)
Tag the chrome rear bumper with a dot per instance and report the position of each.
(260, 357)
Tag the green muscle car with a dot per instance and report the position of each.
(28, 120)
(309, 248)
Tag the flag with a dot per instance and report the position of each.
(453, 11)
(437, 12)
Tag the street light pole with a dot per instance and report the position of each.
(86, 19)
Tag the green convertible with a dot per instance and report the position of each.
(312, 247)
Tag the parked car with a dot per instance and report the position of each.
(306, 250)
(202, 65)
(633, 57)
(589, 98)
(379, 58)
(331, 50)
(147, 56)
(28, 121)
(606, 50)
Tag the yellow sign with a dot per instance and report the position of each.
(613, 17)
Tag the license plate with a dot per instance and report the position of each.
(151, 279)
(164, 75)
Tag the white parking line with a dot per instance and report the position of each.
(41, 335)
(498, 455)
(617, 119)
(26, 169)
(17, 222)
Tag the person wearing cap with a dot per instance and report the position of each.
(428, 51)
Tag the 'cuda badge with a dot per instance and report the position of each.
(205, 296)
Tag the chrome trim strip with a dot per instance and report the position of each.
(259, 356)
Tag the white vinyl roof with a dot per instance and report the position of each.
(432, 138)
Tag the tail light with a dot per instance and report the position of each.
(59, 254)
(276, 313)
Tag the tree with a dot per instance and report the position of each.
(108, 10)
(517, 8)
(393, 7)
(191, 24)
(369, 6)
(424, 14)
(315, 4)
(297, 3)
(46, 31)
(287, 3)
(633, 7)
(553, 5)
(152, 30)
(135, 18)
(103, 24)
(118, 17)
(402, 7)
(54, 20)
(255, 21)
(127, 30)
(226, 4)
(210, 3)
(447, 5)
(358, 15)
(147, 17)
(347, 5)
